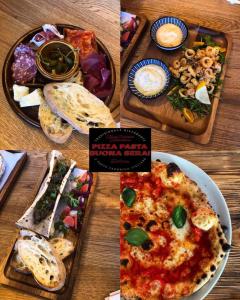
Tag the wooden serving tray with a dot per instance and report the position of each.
(12, 177)
(128, 51)
(30, 114)
(160, 113)
(26, 283)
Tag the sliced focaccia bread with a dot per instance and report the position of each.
(52, 125)
(78, 106)
(39, 257)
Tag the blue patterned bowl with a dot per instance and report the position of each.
(139, 65)
(168, 20)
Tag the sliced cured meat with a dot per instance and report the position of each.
(24, 66)
(83, 40)
(49, 32)
(97, 77)
(23, 50)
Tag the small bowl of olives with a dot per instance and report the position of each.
(57, 60)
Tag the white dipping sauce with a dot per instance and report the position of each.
(169, 35)
(150, 80)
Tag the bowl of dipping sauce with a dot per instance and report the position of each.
(169, 33)
(149, 78)
(57, 60)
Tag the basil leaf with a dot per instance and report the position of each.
(179, 216)
(136, 236)
(128, 196)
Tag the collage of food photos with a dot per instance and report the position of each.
(120, 150)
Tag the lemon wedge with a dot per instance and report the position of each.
(188, 115)
(197, 44)
(201, 93)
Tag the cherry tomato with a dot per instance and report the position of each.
(84, 188)
(68, 220)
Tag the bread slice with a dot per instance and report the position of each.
(63, 247)
(19, 265)
(52, 125)
(39, 257)
(78, 106)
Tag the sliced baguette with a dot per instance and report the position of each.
(78, 106)
(40, 258)
(52, 125)
(62, 247)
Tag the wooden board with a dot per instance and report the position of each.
(160, 114)
(26, 283)
(30, 114)
(133, 43)
(11, 178)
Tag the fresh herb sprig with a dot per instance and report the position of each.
(193, 104)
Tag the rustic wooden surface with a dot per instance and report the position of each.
(215, 14)
(98, 273)
(18, 17)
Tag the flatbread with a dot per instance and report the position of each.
(27, 220)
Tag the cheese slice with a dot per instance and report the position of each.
(32, 99)
(19, 91)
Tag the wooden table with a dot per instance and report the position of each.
(98, 273)
(18, 17)
(216, 14)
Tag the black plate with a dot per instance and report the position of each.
(30, 114)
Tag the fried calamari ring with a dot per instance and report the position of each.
(183, 61)
(189, 53)
(175, 72)
(176, 64)
(190, 85)
(185, 78)
(200, 53)
(194, 82)
(184, 68)
(209, 73)
(183, 93)
(210, 88)
(191, 71)
(191, 92)
(206, 62)
(199, 71)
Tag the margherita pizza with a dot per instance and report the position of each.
(171, 239)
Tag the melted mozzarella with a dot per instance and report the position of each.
(181, 233)
(180, 252)
(146, 205)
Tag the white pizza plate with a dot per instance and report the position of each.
(215, 198)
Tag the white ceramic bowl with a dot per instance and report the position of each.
(215, 198)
